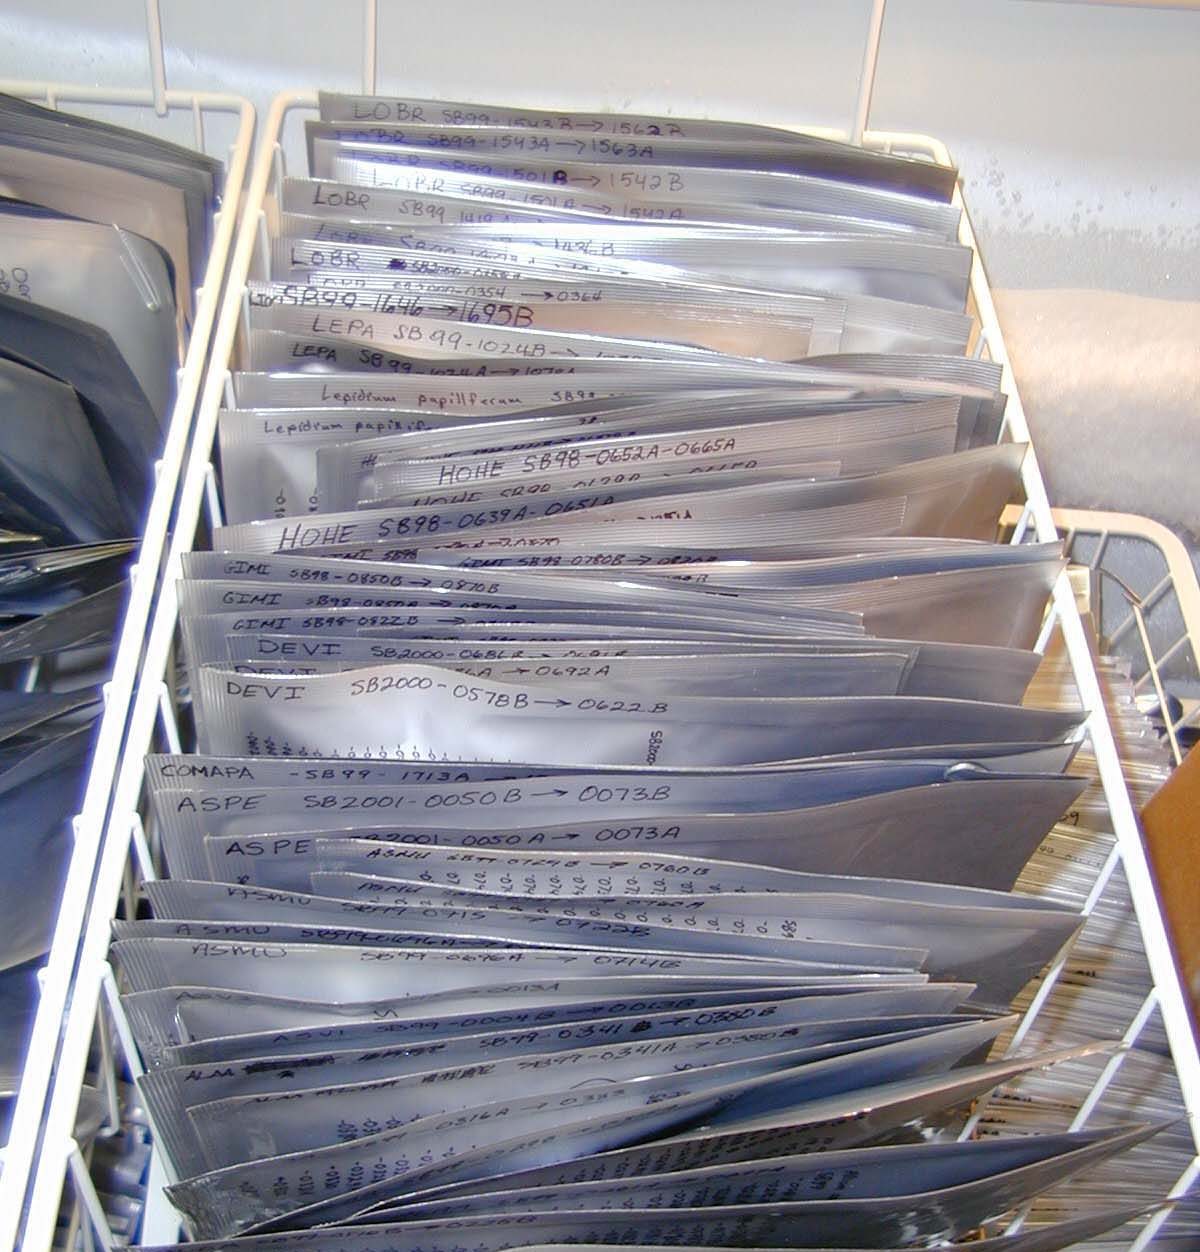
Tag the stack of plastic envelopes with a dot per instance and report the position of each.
(613, 758)
(102, 231)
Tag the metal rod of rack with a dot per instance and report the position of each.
(158, 60)
(866, 77)
(370, 45)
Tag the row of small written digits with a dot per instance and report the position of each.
(734, 1038)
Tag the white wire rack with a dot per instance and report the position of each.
(1146, 606)
(41, 1145)
(118, 850)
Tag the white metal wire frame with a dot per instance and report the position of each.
(1168, 994)
(41, 1146)
(1156, 622)
(37, 1194)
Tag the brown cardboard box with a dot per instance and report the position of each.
(1171, 821)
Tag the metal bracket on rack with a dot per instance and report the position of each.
(141, 848)
(112, 998)
(108, 1078)
(212, 502)
(86, 1191)
(264, 252)
(168, 720)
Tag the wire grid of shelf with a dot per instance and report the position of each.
(1143, 597)
(123, 853)
(1146, 602)
(41, 1147)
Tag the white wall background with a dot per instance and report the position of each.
(1076, 126)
